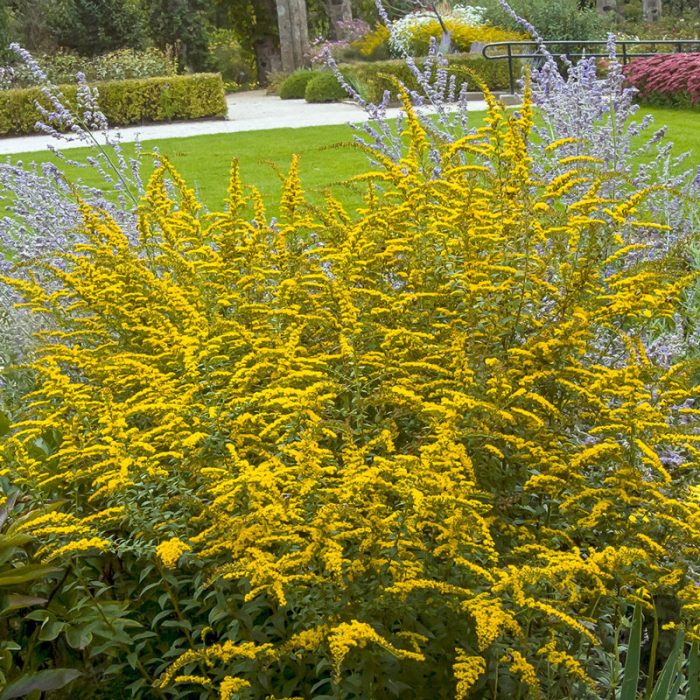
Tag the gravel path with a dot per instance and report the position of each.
(247, 111)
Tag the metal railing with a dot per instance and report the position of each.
(623, 52)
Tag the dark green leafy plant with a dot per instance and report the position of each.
(563, 19)
(183, 24)
(678, 670)
(324, 87)
(294, 87)
(92, 27)
(18, 575)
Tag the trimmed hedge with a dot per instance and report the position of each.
(324, 87)
(125, 102)
(294, 87)
(375, 78)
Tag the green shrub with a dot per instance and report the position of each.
(125, 101)
(374, 79)
(123, 64)
(227, 56)
(324, 87)
(92, 27)
(553, 20)
(294, 87)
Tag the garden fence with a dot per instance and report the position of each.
(626, 50)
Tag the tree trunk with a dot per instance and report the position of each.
(267, 58)
(294, 33)
(652, 10)
(606, 8)
(339, 11)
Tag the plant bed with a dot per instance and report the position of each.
(667, 79)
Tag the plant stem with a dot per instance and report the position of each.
(652, 656)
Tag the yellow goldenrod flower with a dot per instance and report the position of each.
(170, 551)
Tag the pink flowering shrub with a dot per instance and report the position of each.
(341, 48)
(668, 78)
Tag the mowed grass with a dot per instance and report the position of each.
(327, 157)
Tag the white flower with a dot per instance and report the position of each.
(402, 30)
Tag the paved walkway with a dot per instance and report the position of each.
(247, 111)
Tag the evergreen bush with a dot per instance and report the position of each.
(294, 87)
(324, 87)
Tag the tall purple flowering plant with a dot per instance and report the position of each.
(41, 210)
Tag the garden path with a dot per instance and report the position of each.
(247, 111)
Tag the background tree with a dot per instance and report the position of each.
(651, 10)
(254, 23)
(6, 21)
(95, 26)
(607, 8)
(181, 24)
(293, 26)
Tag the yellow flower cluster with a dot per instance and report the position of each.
(524, 670)
(230, 686)
(170, 551)
(82, 546)
(372, 41)
(463, 35)
(442, 403)
(467, 671)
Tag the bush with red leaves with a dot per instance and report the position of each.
(667, 78)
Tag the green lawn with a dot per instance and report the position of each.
(327, 156)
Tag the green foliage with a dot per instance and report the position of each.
(294, 87)
(375, 78)
(6, 21)
(30, 24)
(126, 101)
(324, 87)
(19, 572)
(183, 24)
(251, 20)
(93, 27)
(630, 677)
(553, 20)
(677, 670)
(228, 57)
(117, 65)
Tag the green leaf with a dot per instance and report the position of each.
(15, 601)
(24, 574)
(693, 673)
(13, 541)
(4, 423)
(43, 681)
(50, 630)
(670, 671)
(78, 637)
(630, 678)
